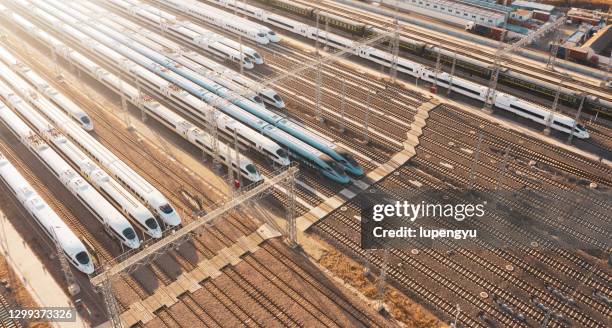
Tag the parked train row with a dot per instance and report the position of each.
(220, 18)
(306, 154)
(50, 223)
(211, 42)
(220, 74)
(131, 208)
(113, 221)
(501, 100)
(337, 153)
(473, 66)
(154, 109)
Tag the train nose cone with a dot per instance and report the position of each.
(355, 170)
(172, 219)
(87, 269)
(134, 243)
(157, 233)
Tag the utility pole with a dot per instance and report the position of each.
(475, 162)
(111, 303)
(571, 136)
(366, 139)
(503, 169)
(212, 130)
(237, 152)
(395, 52)
(230, 172)
(452, 74)
(73, 286)
(343, 107)
(553, 109)
(124, 107)
(241, 56)
(554, 50)
(382, 280)
(318, 115)
(290, 211)
(434, 87)
(318, 90)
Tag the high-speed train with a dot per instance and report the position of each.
(180, 100)
(160, 44)
(502, 100)
(141, 188)
(185, 31)
(231, 23)
(251, 53)
(133, 209)
(316, 141)
(191, 59)
(306, 154)
(115, 224)
(160, 112)
(50, 223)
(62, 101)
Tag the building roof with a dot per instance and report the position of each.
(533, 5)
(465, 7)
(522, 12)
(488, 5)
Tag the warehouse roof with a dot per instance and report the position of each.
(533, 5)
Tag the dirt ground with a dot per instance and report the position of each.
(15, 293)
(406, 311)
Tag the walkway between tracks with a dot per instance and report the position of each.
(329, 205)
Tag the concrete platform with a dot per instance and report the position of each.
(332, 203)
(32, 273)
(188, 282)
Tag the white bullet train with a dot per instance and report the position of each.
(222, 19)
(180, 100)
(185, 57)
(50, 223)
(142, 189)
(133, 209)
(272, 36)
(502, 100)
(185, 31)
(191, 59)
(62, 101)
(115, 224)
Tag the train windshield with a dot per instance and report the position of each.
(281, 153)
(251, 168)
(82, 257)
(580, 127)
(277, 98)
(338, 168)
(151, 223)
(261, 35)
(85, 120)
(166, 209)
(129, 233)
(349, 158)
(257, 99)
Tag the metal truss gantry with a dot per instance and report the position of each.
(176, 238)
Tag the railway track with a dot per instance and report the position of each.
(393, 182)
(6, 321)
(286, 258)
(357, 92)
(478, 53)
